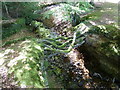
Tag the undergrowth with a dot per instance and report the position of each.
(28, 69)
(40, 30)
(71, 12)
(10, 29)
(111, 35)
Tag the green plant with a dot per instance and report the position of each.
(13, 28)
(28, 69)
(111, 35)
(40, 29)
(20, 10)
(70, 11)
(110, 31)
(16, 40)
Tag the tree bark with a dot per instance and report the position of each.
(7, 10)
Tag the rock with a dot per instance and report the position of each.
(100, 55)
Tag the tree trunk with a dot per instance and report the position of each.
(7, 10)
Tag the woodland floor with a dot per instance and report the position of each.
(107, 15)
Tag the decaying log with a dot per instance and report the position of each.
(6, 22)
(77, 70)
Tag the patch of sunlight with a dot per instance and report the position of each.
(8, 51)
(27, 67)
(12, 44)
(31, 58)
(26, 41)
(26, 48)
(58, 14)
(14, 61)
(109, 8)
(41, 78)
(23, 85)
(82, 28)
(116, 25)
(115, 50)
(40, 73)
(112, 1)
(93, 23)
(106, 19)
(38, 47)
(1, 55)
(1, 61)
(20, 71)
(102, 11)
(109, 22)
(101, 26)
(55, 9)
(5, 57)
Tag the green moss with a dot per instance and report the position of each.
(109, 31)
(109, 49)
(94, 15)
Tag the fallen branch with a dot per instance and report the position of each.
(5, 22)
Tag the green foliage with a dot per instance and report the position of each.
(21, 10)
(42, 32)
(71, 12)
(74, 10)
(28, 11)
(94, 15)
(111, 37)
(28, 68)
(110, 31)
(40, 29)
(36, 24)
(48, 14)
(82, 5)
(16, 40)
(11, 29)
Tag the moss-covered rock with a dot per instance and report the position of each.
(102, 48)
